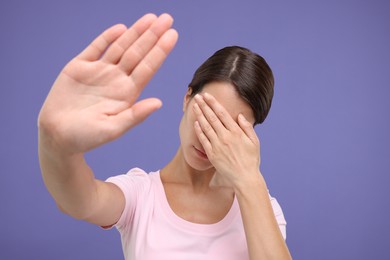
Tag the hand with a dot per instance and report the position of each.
(233, 148)
(93, 100)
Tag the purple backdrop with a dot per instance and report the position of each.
(325, 145)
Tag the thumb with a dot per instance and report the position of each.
(248, 129)
(137, 113)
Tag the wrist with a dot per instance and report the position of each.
(51, 143)
(249, 185)
(50, 152)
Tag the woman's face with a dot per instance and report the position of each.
(228, 97)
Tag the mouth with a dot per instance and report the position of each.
(201, 153)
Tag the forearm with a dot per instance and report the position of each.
(68, 178)
(263, 235)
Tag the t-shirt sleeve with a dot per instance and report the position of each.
(279, 216)
(132, 184)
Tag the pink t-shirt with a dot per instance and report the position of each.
(150, 229)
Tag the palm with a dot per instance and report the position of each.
(90, 97)
(96, 84)
(93, 100)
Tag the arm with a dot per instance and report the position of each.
(264, 239)
(234, 150)
(94, 101)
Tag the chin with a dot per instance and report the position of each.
(202, 168)
(198, 164)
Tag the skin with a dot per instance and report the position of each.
(93, 101)
(190, 172)
(219, 157)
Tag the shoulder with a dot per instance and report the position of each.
(135, 178)
(136, 186)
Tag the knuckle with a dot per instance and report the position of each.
(149, 64)
(202, 138)
(221, 113)
(236, 131)
(225, 139)
(111, 129)
(213, 118)
(207, 128)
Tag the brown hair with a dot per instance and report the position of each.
(247, 71)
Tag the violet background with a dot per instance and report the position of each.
(324, 147)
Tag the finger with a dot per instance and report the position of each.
(98, 46)
(209, 115)
(204, 141)
(135, 115)
(206, 127)
(153, 60)
(117, 48)
(137, 51)
(248, 129)
(220, 111)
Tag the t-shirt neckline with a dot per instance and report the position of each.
(206, 229)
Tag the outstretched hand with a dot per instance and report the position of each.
(94, 99)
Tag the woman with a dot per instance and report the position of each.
(210, 201)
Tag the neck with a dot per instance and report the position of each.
(178, 171)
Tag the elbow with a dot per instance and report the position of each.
(76, 214)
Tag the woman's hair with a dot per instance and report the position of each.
(247, 71)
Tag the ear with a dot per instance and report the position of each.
(187, 98)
